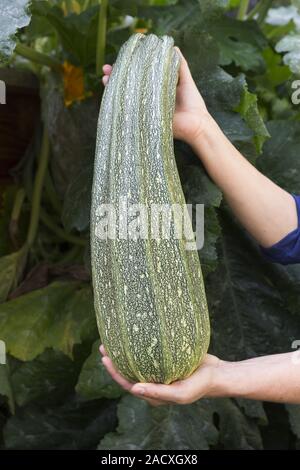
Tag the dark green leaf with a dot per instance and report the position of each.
(280, 159)
(169, 427)
(77, 32)
(249, 110)
(166, 19)
(77, 202)
(236, 430)
(57, 316)
(73, 425)
(47, 379)
(239, 42)
(94, 382)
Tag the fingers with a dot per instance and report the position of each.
(107, 68)
(116, 376)
(185, 75)
(154, 394)
(102, 350)
(107, 71)
(158, 392)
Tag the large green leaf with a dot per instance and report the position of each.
(165, 19)
(59, 316)
(182, 427)
(77, 32)
(280, 159)
(237, 431)
(48, 379)
(168, 427)
(239, 42)
(94, 382)
(13, 16)
(249, 110)
(72, 425)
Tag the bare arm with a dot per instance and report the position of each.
(270, 378)
(273, 378)
(268, 212)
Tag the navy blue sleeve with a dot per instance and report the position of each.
(287, 250)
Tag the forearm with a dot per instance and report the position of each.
(266, 211)
(273, 378)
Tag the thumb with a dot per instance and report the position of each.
(185, 75)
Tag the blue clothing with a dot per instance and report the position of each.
(287, 250)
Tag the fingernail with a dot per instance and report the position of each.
(140, 391)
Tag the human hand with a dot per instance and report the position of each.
(199, 384)
(191, 114)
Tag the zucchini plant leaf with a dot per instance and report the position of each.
(176, 427)
(94, 382)
(77, 201)
(77, 32)
(249, 110)
(169, 427)
(165, 19)
(48, 317)
(14, 15)
(72, 425)
(280, 158)
(239, 42)
(46, 380)
(237, 431)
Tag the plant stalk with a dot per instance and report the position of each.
(265, 6)
(37, 189)
(37, 57)
(260, 9)
(101, 36)
(51, 193)
(47, 220)
(15, 215)
(243, 9)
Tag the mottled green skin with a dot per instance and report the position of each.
(149, 296)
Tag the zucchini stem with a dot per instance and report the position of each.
(15, 215)
(37, 57)
(243, 9)
(48, 221)
(37, 189)
(101, 36)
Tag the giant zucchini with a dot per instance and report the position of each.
(149, 294)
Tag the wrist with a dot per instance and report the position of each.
(203, 126)
(226, 380)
